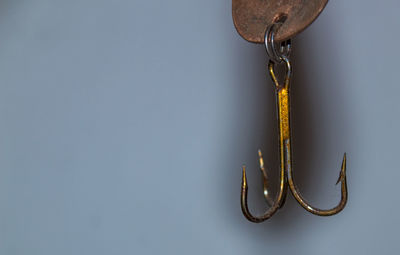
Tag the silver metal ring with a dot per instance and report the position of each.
(276, 51)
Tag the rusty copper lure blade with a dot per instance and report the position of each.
(251, 17)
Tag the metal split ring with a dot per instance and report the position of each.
(276, 51)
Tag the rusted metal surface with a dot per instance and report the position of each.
(251, 17)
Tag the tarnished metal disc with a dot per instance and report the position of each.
(251, 17)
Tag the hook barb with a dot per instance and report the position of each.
(342, 175)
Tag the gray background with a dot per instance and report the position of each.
(124, 125)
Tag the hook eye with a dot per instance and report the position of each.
(287, 76)
(276, 51)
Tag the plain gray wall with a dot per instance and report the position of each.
(124, 125)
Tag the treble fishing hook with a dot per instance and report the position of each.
(277, 56)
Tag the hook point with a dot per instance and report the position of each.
(261, 161)
(342, 175)
(244, 178)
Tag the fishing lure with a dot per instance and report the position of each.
(274, 22)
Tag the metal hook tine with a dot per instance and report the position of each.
(267, 194)
(275, 204)
(317, 211)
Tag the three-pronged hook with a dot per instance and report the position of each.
(286, 170)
